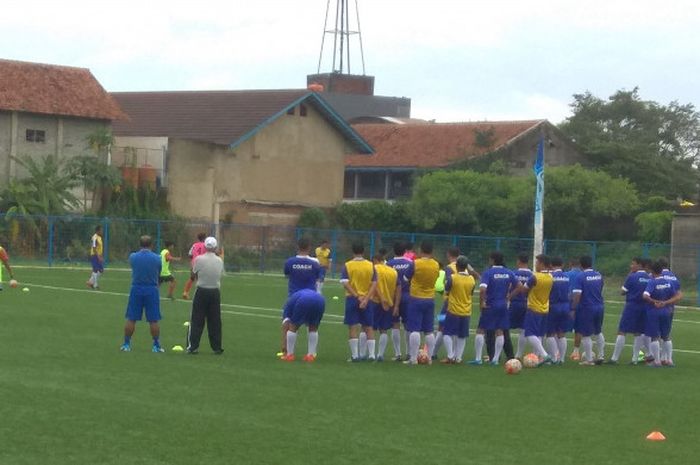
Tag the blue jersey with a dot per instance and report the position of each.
(589, 284)
(634, 287)
(523, 275)
(145, 268)
(573, 276)
(498, 282)
(402, 266)
(560, 288)
(670, 277)
(302, 272)
(660, 289)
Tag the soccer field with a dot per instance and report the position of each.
(70, 397)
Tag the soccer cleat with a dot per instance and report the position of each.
(185, 296)
(475, 362)
(611, 362)
(157, 349)
(575, 356)
(410, 362)
(280, 354)
(559, 362)
(89, 285)
(193, 351)
(309, 358)
(353, 360)
(670, 365)
(125, 348)
(586, 363)
(398, 358)
(370, 359)
(219, 352)
(546, 361)
(380, 358)
(641, 357)
(493, 363)
(599, 361)
(654, 365)
(447, 361)
(288, 358)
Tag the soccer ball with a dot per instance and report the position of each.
(13, 283)
(513, 366)
(423, 357)
(531, 360)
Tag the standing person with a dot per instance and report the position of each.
(496, 285)
(206, 305)
(359, 279)
(559, 321)
(401, 264)
(166, 276)
(663, 295)
(574, 271)
(409, 253)
(421, 306)
(304, 307)
(460, 286)
(196, 250)
(385, 300)
(323, 255)
(96, 258)
(588, 302)
(518, 303)
(667, 274)
(145, 270)
(302, 272)
(5, 259)
(633, 318)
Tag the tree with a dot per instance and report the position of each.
(94, 175)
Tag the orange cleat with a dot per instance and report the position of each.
(288, 358)
(309, 358)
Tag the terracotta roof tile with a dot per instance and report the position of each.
(433, 145)
(54, 90)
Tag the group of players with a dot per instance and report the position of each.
(383, 296)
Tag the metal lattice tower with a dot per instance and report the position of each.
(342, 34)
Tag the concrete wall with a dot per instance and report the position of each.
(685, 242)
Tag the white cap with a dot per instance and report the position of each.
(210, 243)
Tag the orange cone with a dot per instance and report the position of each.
(656, 436)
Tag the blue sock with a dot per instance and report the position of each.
(127, 340)
(156, 342)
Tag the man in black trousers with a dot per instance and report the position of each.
(206, 305)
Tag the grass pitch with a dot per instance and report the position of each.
(70, 397)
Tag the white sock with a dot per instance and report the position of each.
(669, 350)
(438, 342)
(449, 347)
(498, 348)
(646, 343)
(319, 287)
(413, 344)
(383, 340)
(562, 342)
(92, 279)
(459, 349)
(536, 344)
(430, 342)
(370, 348)
(407, 338)
(587, 344)
(291, 341)
(601, 346)
(521, 344)
(363, 344)
(553, 347)
(619, 345)
(95, 278)
(396, 341)
(313, 342)
(478, 346)
(353, 347)
(655, 349)
(636, 347)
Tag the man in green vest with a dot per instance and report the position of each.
(165, 274)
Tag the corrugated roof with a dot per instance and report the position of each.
(434, 145)
(54, 90)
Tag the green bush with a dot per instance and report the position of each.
(654, 226)
(313, 218)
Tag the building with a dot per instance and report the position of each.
(404, 149)
(685, 242)
(49, 110)
(256, 157)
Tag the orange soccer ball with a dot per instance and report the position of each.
(513, 366)
(531, 360)
(13, 283)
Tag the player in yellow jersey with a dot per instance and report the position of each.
(96, 258)
(5, 259)
(166, 275)
(359, 279)
(459, 286)
(323, 255)
(421, 306)
(385, 300)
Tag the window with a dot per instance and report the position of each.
(35, 135)
(302, 110)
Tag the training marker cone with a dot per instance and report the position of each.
(656, 436)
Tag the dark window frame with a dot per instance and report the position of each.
(35, 135)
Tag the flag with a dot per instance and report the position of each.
(538, 168)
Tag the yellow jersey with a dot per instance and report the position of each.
(450, 269)
(96, 245)
(360, 274)
(423, 276)
(540, 285)
(323, 256)
(387, 280)
(461, 287)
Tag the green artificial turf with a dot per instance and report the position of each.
(68, 396)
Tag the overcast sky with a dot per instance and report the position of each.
(458, 60)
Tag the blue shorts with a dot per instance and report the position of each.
(535, 324)
(421, 315)
(590, 320)
(97, 265)
(354, 315)
(559, 318)
(456, 325)
(494, 318)
(403, 309)
(442, 315)
(517, 314)
(633, 319)
(143, 298)
(308, 310)
(658, 323)
(382, 318)
(322, 274)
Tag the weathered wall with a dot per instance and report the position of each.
(685, 242)
(520, 155)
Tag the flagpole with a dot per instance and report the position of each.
(538, 240)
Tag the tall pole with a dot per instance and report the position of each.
(538, 168)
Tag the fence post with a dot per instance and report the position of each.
(697, 277)
(263, 248)
(334, 254)
(371, 245)
(105, 229)
(594, 252)
(158, 247)
(454, 240)
(298, 234)
(51, 222)
(645, 250)
(544, 246)
(498, 244)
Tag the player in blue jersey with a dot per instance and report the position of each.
(559, 321)
(359, 279)
(667, 346)
(574, 271)
(633, 318)
(663, 294)
(302, 272)
(588, 302)
(497, 283)
(304, 307)
(518, 302)
(402, 265)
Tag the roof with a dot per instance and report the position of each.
(54, 90)
(433, 145)
(220, 117)
(351, 106)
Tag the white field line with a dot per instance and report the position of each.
(268, 309)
